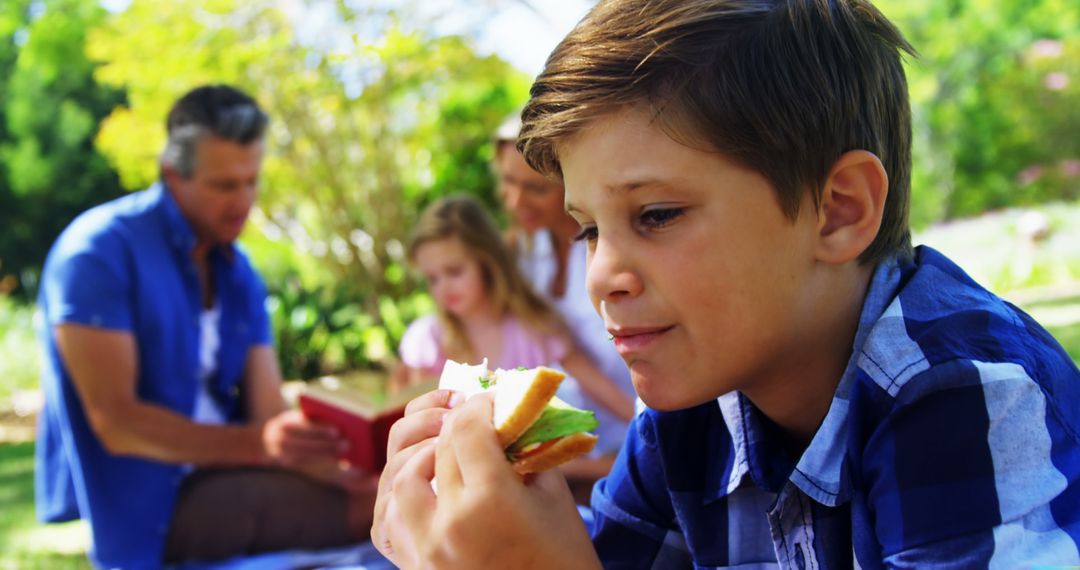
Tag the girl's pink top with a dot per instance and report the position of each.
(421, 347)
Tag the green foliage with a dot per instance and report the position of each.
(370, 123)
(996, 103)
(50, 107)
(320, 330)
(20, 358)
(1069, 337)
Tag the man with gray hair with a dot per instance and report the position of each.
(164, 426)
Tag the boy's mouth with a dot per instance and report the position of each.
(632, 339)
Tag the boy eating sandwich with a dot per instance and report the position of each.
(821, 394)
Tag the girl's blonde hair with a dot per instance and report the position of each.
(463, 218)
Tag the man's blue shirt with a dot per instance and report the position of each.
(951, 442)
(127, 266)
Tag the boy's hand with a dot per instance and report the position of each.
(408, 436)
(484, 515)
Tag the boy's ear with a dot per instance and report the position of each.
(852, 204)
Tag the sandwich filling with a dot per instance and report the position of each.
(525, 428)
(557, 421)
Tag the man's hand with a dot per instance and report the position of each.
(484, 515)
(290, 439)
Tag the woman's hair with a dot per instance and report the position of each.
(784, 87)
(463, 218)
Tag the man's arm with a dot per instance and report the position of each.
(104, 369)
(262, 378)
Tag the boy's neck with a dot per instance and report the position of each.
(799, 393)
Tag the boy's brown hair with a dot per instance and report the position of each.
(782, 86)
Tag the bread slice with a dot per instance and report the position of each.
(555, 453)
(520, 398)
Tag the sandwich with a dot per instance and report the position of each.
(537, 430)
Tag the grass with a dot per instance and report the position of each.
(24, 543)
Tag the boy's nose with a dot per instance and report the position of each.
(611, 273)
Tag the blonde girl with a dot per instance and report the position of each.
(485, 308)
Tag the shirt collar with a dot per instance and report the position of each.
(821, 472)
(180, 233)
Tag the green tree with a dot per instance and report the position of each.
(995, 99)
(371, 119)
(50, 110)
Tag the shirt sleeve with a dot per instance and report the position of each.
(420, 346)
(262, 333)
(88, 284)
(973, 468)
(633, 518)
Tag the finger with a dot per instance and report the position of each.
(551, 483)
(414, 501)
(480, 458)
(395, 463)
(386, 482)
(447, 472)
(433, 399)
(413, 428)
(399, 552)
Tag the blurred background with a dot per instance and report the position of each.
(381, 106)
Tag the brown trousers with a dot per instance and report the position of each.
(221, 513)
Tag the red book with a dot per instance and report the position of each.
(363, 419)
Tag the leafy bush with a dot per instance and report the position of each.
(327, 329)
(20, 359)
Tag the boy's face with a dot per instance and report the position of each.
(704, 283)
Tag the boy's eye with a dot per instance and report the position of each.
(660, 217)
(587, 233)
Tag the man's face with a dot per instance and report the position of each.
(218, 197)
(692, 264)
(534, 201)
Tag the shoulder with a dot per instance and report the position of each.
(942, 327)
(947, 352)
(103, 229)
(425, 326)
(245, 270)
(421, 345)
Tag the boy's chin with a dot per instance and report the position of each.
(666, 393)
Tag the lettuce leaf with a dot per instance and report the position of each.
(558, 419)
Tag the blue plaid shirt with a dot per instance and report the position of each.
(951, 442)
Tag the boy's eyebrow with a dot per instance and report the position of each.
(623, 187)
